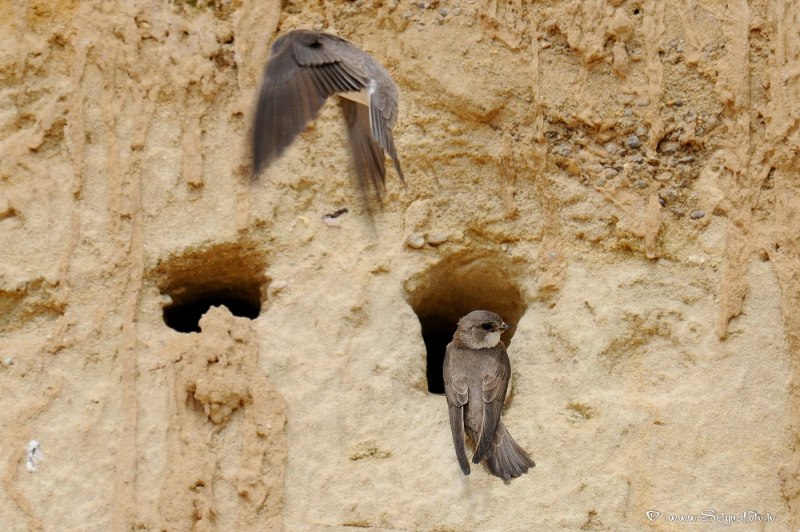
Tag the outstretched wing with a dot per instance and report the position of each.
(456, 392)
(494, 383)
(304, 69)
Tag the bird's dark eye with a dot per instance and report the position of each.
(486, 326)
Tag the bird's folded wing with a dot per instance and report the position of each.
(457, 428)
(456, 392)
(493, 387)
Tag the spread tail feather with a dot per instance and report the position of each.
(504, 457)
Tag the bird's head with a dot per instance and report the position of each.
(480, 329)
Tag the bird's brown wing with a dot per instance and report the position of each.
(367, 154)
(456, 392)
(382, 114)
(304, 69)
(494, 383)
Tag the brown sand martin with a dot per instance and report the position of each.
(304, 68)
(476, 373)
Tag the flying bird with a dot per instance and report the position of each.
(304, 69)
(476, 373)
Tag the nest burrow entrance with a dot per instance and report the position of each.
(455, 287)
(228, 274)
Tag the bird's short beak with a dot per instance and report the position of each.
(505, 326)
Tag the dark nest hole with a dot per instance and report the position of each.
(230, 275)
(184, 314)
(455, 287)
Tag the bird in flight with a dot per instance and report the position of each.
(304, 69)
(476, 373)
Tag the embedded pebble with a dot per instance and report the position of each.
(562, 149)
(633, 142)
(415, 241)
(609, 173)
(711, 123)
(664, 176)
(436, 238)
(696, 260)
(668, 146)
(640, 184)
(696, 215)
(638, 158)
(277, 287)
(595, 168)
(611, 148)
(668, 194)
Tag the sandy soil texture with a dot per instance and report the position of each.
(617, 178)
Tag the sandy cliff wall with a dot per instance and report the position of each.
(618, 179)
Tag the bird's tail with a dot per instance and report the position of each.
(504, 457)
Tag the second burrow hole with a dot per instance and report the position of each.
(230, 275)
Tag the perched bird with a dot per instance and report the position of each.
(476, 373)
(304, 68)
